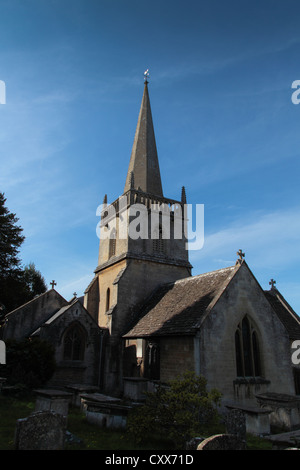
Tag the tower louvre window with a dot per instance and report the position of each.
(159, 244)
(112, 244)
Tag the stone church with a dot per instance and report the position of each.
(145, 318)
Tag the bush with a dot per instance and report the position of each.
(181, 410)
(29, 363)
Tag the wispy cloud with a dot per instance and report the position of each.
(269, 240)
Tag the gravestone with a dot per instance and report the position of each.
(222, 442)
(235, 422)
(42, 430)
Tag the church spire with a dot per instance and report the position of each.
(143, 163)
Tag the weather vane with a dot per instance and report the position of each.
(146, 75)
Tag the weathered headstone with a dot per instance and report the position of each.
(43, 430)
(235, 422)
(222, 442)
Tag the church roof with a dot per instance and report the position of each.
(285, 313)
(179, 307)
(50, 292)
(57, 314)
(143, 171)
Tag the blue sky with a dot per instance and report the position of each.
(226, 128)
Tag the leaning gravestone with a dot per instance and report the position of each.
(43, 430)
(222, 442)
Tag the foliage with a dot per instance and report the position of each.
(29, 362)
(34, 282)
(181, 410)
(18, 285)
(11, 239)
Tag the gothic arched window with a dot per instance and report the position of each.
(248, 361)
(74, 343)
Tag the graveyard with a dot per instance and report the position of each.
(84, 435)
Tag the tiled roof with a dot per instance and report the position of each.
(177, 308)
(285, 313)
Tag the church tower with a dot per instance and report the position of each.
(142, 246)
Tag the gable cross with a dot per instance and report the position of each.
(272, 283)
(53, 283)
(241, 255)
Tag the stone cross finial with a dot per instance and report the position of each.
(75, 294)
(241, 255)
(53, 283)
(272, 283)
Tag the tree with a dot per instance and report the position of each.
(30, 362)
(11, 239)
(181, 410)
(17, 284)
(34, 282)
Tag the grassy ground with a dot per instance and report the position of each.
(91, 436)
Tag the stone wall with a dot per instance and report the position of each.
(243, 297)
(177, 357)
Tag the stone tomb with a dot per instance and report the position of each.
(285, 410)
(79, 389)
(286, 440)
(53, 400)
(256, 419)
(105, 411)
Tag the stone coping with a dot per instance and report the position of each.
(248, 408)
(284, 438)
(53, 393)
(278, 397)
(99, 398)
(82, 387)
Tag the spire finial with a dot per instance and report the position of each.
(183, 195)
(146, 76)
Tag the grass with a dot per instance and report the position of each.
(91, 436)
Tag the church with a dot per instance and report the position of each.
(145, 318)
